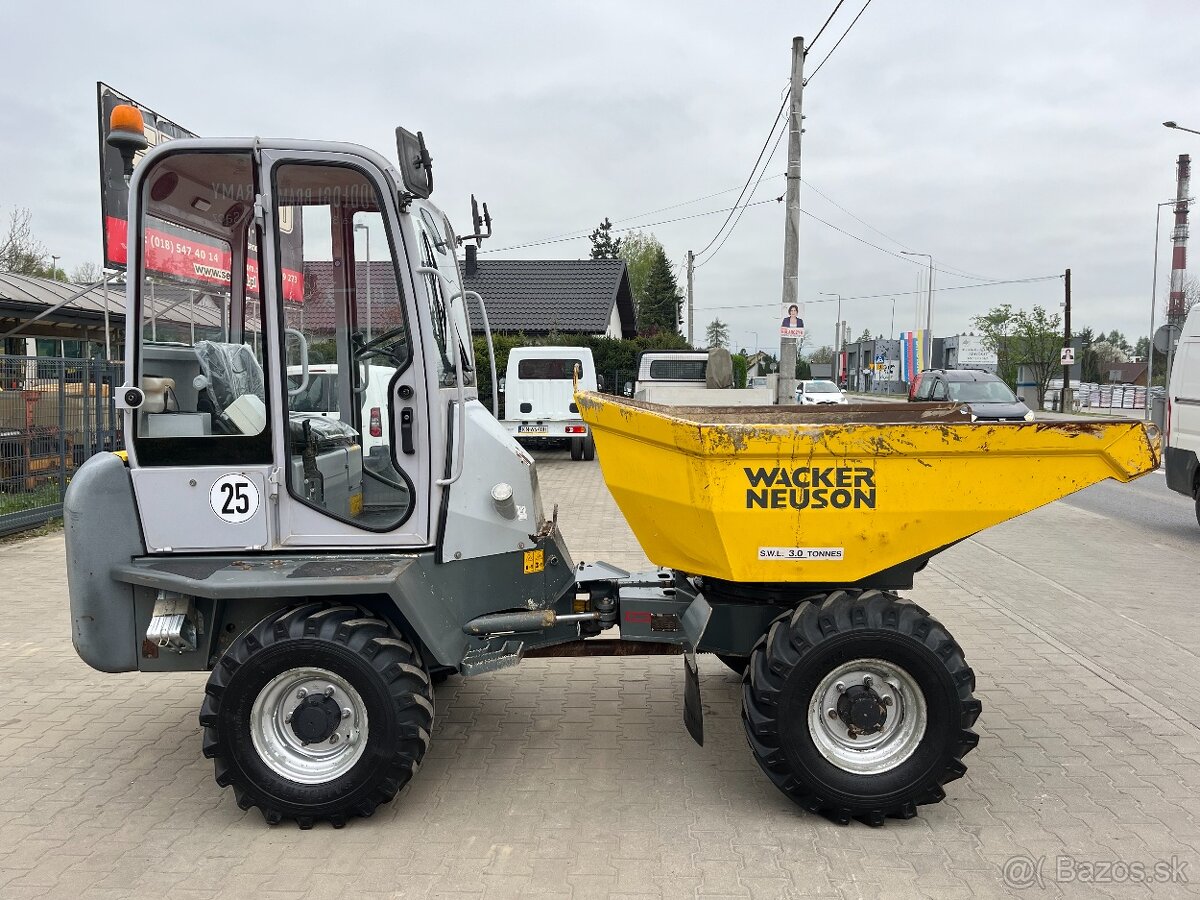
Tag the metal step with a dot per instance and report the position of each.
(492, 657)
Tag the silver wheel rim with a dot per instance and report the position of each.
(898, 737)
(282, 750)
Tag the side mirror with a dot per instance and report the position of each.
(416, 165)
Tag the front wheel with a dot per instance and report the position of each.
(317, 713)
(859, 706)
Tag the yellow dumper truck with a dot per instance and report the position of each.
(326, 583)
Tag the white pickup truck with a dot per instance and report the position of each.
(680, 378)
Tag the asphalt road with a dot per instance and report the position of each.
(1146, 506)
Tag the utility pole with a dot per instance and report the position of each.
(786, 387)
(691, 258)
(1065, 404)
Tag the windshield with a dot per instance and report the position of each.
(678, 369)
(821, 387)
(548, 369)
(981, 392)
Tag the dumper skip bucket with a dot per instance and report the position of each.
(792, 494)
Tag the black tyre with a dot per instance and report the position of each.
(577, 449)
(860, 706)
(737, 664)
(317, 713)
(589, 448)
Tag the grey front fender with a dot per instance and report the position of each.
(102, 533)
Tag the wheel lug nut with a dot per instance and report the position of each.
(329, 691)
(832, 714)
(333, 738)
(288, 718)
(302, 693)
(840, 687)
(345, 712)
(868, 681)
(887, 701)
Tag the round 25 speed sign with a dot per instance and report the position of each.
(234, 498)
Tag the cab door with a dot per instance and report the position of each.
(356, 472)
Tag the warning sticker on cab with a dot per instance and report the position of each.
(827, 554)
(535, 561)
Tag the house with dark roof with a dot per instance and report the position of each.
(528, 296)
(539, 296)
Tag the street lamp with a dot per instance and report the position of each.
(1179, 127)
(361, 227)
(928, 309)
(1154, 299)
(54, 266)
(838, 337)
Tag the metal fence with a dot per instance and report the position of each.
(54, 414)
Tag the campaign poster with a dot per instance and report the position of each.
(792, 325)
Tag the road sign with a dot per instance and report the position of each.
(1067, 356)
(1166, 336)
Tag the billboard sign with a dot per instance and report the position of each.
(792, 324)
(972, 353)
(178, 253)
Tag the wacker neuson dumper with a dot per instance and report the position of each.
(328, 581)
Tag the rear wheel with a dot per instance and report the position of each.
(589, 448)
(860, 706)
(577, 449)
(317, 713)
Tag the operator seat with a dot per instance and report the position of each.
(232, 387)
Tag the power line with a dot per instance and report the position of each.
(711, 212)
(732, 227)
(889, 294)
(584, 232)
(826, 25)
(750, 177)
(839, 42)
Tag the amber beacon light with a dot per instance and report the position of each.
(127, 133)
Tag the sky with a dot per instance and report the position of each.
(1008, 140)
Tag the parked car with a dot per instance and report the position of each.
(539, 397)
(1183, 413)
(990, 399)
(819, 393)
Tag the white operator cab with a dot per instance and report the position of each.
(268, 241)
(539, 397)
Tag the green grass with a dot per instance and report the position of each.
(46, 494)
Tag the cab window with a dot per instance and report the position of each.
(200, 363)
(347, 338)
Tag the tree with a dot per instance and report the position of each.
(604, 246)
(660, 309)
(865, 336)
(821, 356)
(86, 273)
(638, 250)
(1089, 366)
(1108, 354)
(1039, 346)
(717, 334)
(996, 327)
(1142, 348)
(1031, 339)
(20, 252)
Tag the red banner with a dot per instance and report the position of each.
(182, 257)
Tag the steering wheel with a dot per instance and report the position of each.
(375, 346)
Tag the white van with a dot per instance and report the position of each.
(319, 398)
(1183, 413)
(539, 396)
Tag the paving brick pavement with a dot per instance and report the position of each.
(575, 778)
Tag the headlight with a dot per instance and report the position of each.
(1029, 416)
